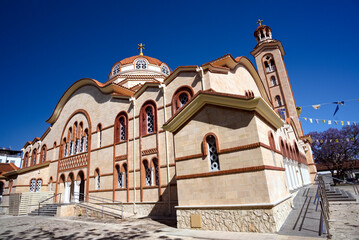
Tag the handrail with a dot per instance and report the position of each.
(102, 204)
(38, 211)
(355, 185)
(324, 205)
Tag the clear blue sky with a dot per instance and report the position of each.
(45, 46)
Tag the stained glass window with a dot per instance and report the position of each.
(149, 114)
(32, 185)
(165, 70)
(38, 185)
(116, 69)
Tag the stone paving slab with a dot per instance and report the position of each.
(39, 227)
(303, 220)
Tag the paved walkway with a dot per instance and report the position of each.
(27, 227)
(303, 220)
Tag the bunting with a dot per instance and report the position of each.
(329, 122)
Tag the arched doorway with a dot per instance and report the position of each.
(71, 181)
(81, 181)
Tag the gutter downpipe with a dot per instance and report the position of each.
(201, 74)
(133, 100)
(163, 86)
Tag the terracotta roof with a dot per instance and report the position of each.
(7, 167)
(149, 59)
(347, 165)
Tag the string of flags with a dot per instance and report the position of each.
(317, 106)
(329, 122)
(334, 140)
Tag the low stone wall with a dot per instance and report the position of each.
(237, 219)
(151, 209)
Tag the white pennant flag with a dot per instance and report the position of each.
(329, 122)
(316, 120)
(310, 120)
(348, 122)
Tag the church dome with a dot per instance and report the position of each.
(262, 32)
(139, 65)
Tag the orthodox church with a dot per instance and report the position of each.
(219, 145)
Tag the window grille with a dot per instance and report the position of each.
(149, 114)
(122, 129)
(87, 140)
(124, 181)
(32, 185)
(212, 153)
(98, 182)
(157, 177)
(165, 70)
(43, 155)
(38, 185)
(77, 146)
(141, 64)
(148, 174)
(183, 98)
(82, 145)
(120, 179)
(116, 69)
(66, 148)
(71, 147)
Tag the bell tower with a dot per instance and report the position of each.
(268, 54)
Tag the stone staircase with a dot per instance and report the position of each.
(338, 195)
(45, 210)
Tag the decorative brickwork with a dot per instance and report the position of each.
(149, 151)
(73, 162)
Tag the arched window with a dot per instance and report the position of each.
(148, 118)
(165, 70)
(274, 81)
(141, 64)
(38, 185)
(99, 135)
(269, 64)
(25, 161)
(77, 138)
(116, 69)
(121, 128)
(181, 97)
(278, 101)
(43, 154)
(66, 147)
(50, 184)
(97, 179)
(32, 185)
(212, 152)
(34, 155)
(84, 141)
(272, 145)
(155, 170)
(124, 174)
(70, 137)
(119, 177)
(148, 173)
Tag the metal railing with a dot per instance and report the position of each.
(103, 205)
(355, 185)
(47, 199)
(322, 198)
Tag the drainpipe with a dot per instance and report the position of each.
(133, 100)
(163, 86)
(201, 74)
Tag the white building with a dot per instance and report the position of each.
(10, 156)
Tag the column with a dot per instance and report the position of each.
(76, 191)
(287, 174)
(67, 192)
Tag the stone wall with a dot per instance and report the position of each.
(151, 209)
(237, 219)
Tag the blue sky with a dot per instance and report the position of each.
(45, 46)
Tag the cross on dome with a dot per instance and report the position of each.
(141, 47)
(259, 22)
